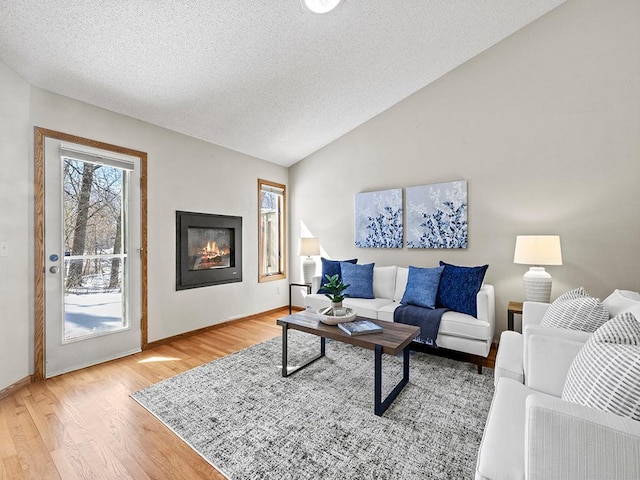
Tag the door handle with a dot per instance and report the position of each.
(54, 269)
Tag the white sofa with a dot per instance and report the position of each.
(458, 331)
(531, 434)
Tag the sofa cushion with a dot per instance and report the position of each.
(366, 307)
(622, 301)
(384, 281)
(422, 287)
(606, 372)
(452, 324)
(386, 312)
(459, 286)
(331, 267)
(359, 278)
(316, 301)
(456, 324)
(401, 283)
(576, 313)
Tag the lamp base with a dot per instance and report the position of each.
(308, 269)
(537, 285)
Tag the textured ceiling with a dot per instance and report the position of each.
(263, 77)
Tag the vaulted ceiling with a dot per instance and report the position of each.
(266, 78)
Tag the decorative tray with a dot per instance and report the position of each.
(334, 316)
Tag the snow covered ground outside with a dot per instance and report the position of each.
(92, 313)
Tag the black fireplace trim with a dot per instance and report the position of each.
(186, 278)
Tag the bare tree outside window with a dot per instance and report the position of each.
(93, 200)
(93, 224)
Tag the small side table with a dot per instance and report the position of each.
(514, 307)
(306, 285)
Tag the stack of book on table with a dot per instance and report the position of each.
(359, 327)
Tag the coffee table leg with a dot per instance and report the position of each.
(380, 406)
(285, 369)
(285, 333)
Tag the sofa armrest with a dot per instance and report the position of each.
(533, 312)
(564, 440)
(315, 283)
(486, 307)
(547, 362)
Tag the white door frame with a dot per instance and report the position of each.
(39, 258)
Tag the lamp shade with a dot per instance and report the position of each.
(538, 250)
(309, 246)
(320, 6)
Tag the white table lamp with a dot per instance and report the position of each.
(308, 246)
(537, 250)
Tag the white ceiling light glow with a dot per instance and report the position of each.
(320, 6)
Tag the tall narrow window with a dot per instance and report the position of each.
(272, 230)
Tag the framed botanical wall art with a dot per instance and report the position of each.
(379, 219)
(437, 215)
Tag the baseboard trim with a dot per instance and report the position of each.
(164, 341)
(5, 392)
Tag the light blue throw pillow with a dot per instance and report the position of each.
(422, 287)
(359, 278)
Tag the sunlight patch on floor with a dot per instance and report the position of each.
(159, 359)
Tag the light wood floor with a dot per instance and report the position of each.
(84, 425)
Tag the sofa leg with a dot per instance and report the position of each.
(479, 366)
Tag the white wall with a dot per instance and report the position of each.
(183, 174)
(15, 221)
(545, 129)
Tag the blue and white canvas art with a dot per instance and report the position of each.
(437, 215)
(379, 219)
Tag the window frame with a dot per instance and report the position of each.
(282, 227)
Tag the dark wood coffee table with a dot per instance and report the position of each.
(394, 338)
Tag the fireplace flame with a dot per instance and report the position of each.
(211, 249)
(211, 255)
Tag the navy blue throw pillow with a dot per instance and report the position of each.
(359, 278)
(459, 287)
(422, 286)
(331, 267)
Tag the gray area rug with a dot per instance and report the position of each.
(249, 422)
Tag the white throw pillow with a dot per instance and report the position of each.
(606, 372)
(384, 282)
(575, 310)
(621, 301)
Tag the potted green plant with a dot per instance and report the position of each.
(335, 291)
(335, 287)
